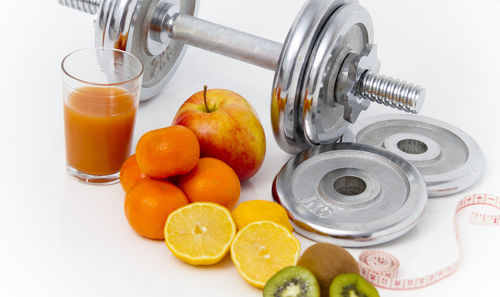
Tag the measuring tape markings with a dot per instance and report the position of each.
(381, 268)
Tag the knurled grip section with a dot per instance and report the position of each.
(88, 6)
(225, 41)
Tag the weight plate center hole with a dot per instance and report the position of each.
(349, 185)
(412, 146)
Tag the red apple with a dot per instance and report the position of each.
(227, 128)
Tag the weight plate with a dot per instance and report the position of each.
(348, 30)
(448, 158)
(124, 24)
(351, 195)
(291, 66)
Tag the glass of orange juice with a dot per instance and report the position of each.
(101, 90)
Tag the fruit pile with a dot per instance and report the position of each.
(167, 172)
(184, 179)
(183, 182)
(191, 211)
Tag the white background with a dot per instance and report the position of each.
(60, 237)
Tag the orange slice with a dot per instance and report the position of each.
(200, 233)
(261, 249)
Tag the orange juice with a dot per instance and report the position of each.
(99, 124)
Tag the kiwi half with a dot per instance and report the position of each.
(352, 285)
(292, 281)
(326, 261)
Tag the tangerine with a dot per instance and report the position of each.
(211, 180)
(148, 205)
(168, 151)
(130, 174)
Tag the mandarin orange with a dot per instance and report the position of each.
(130, 174)
(211, 180)
(148, 205)
(168, 151)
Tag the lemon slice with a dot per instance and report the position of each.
(200, 233)
(261, 249)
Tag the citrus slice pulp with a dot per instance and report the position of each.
(200, 233)
(261, 249)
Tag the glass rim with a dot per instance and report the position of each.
(66, 72)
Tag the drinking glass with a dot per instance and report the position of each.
(101, 91)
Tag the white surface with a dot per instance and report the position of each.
(64, 238)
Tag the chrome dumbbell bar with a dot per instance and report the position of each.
(326, 72)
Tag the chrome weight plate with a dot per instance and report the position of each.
(351, 195)
(348, 30)
(125, 24)
(291, 66)
(448, 158)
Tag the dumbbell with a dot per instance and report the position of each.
(326, 72)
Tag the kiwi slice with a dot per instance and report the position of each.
(292, 281)
(352, 285)
(326, 261)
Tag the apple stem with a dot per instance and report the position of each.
(205, 98)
